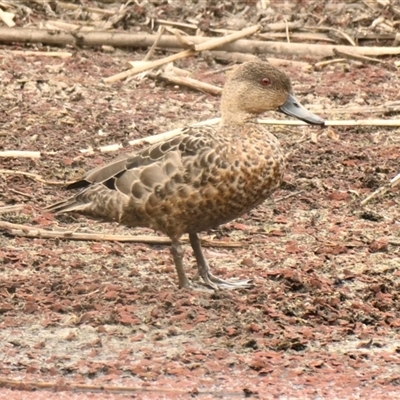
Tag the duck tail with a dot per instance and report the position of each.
(66, 206)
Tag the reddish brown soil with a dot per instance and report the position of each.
(323, 320)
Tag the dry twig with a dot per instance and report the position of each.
(213, 121)
(84, 388)
(20, 154)
(10, 209)
(357, 57)
(70, 6)
(119, 39)
(207, 45)
(35, 177)
(220, 41)
(59, 54)
(33, 232)
(188, 82)
(382, 190)
(241, 57)
(323, 64)
(149, 65)
(154, 45)
(390, 107)
(317, 37)
(67, 26)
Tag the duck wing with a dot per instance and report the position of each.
(107, 189)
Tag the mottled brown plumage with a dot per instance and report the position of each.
(202, 178)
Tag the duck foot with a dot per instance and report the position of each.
(204, 270)
(216, 283)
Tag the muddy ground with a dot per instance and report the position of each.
(324, 317)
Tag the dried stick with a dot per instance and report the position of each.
(241, 57)
(217, 42)
(154, 45)
(210, 44)
(345, 35)
(150, 139)
(287, 31)
(322, 64)
(149, 65)
(188, 82)
(35, 177)
(119, 39)
(277, 200)
(213, 121)
(60, 54)
(357, 57)
(317, 37)
(329, 28)
(284, 25)
(68, 27)
(175, 24)
(85, 388)
(7, 18)
(20, 154)
(29, 231)
(392, 106)
(382, 190)
(355, 122)
(10, 209)
(69, 6)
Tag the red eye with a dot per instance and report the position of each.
(265, 82)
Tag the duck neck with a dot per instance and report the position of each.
(233, 113)
(236, 118)
(232, 110)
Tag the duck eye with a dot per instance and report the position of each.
(265, 82)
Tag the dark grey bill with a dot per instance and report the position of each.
(293, 108)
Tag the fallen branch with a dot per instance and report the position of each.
(136, 142)
(322, 64)
(170, 134)
(242, 57)
(318, 37)
(20, 154)
(32, 232)
(335, 30)
(59, 54)
(154, 45)
(68, 27)
(35, 177)
(175, 24)
(220, 41)
(382, 190)
(10, 209)
(350, 122)
(393, 106)
(64, 386)
(70, 6)
(20, 193)
(7, 17)
(119, 39)
(188, 82)
(146, 65)
(277, 200)
(283, 25)
(356, 57)
(207, 45)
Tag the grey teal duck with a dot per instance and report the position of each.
(202, 178)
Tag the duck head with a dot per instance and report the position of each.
(255, 87)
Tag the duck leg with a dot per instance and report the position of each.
(177, 254)
(205, 273)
